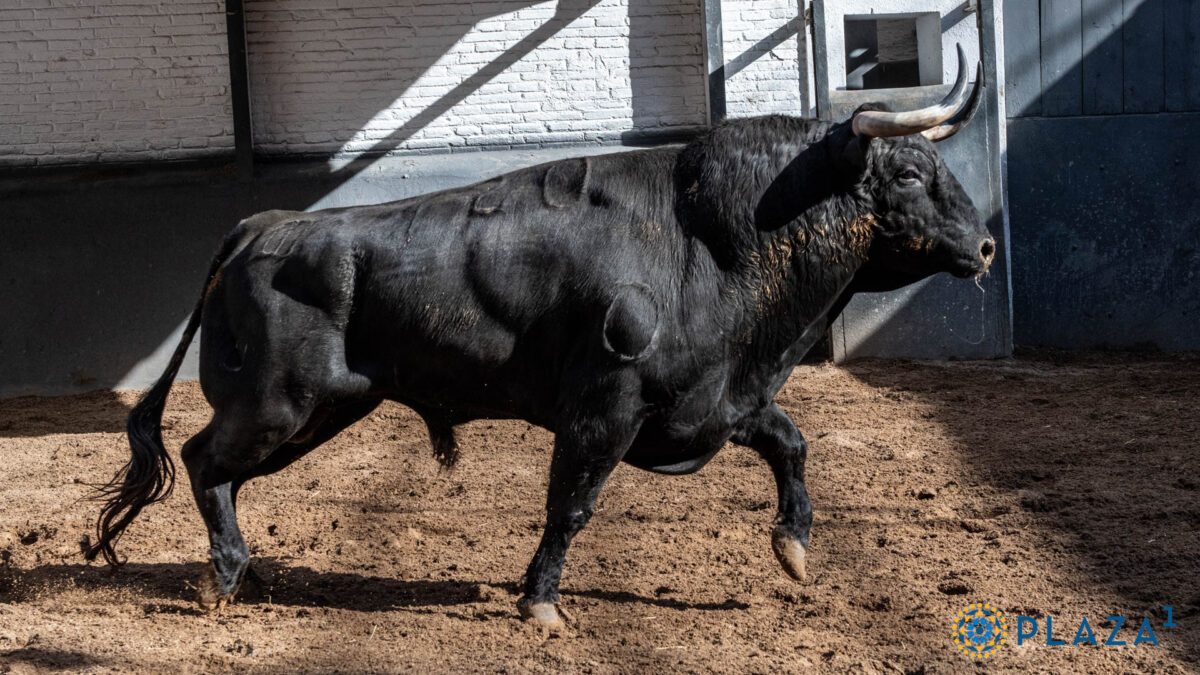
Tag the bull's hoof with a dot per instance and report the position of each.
(543, 614)
(790, 554)
(208, 594)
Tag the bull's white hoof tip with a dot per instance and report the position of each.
(790, 554)
(542, 614)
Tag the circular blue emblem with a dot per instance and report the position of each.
(980, 630)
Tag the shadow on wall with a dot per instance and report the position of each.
(97, 274)
(321, 77)
(666, 73)
(566, 11)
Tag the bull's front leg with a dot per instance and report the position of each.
(773, 435)
(584, 456)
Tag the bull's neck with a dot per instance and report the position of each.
(795, 277)
(782, 222)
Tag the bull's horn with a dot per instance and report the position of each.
(962, 117)
(879, 124)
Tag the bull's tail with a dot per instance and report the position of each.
(149, 474)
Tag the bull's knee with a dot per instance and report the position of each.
(569, 522)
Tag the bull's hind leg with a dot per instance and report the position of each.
(322, 426)
(773, 435)
(216, 460)
(223, 457)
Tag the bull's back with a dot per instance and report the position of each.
(479, 297)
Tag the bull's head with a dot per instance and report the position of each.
(925, 222)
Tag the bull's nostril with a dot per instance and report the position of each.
(987, 250)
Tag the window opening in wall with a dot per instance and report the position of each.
(883, 52)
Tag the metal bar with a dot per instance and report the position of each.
(239, 87)
(820, 62)
(714, 61)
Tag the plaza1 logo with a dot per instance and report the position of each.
(981, 630)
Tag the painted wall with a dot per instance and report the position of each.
(767, 63)
(382, 76)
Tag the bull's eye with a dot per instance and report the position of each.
(908, 177)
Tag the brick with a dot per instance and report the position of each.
(139, 79)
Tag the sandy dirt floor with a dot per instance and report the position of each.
(1050, 484)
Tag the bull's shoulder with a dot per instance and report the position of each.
(261, 221)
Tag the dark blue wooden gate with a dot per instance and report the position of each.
(1103, 100)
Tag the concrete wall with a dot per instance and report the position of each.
(120, 80)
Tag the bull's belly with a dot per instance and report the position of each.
(661, 451)
(459, 391)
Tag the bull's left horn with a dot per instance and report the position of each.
(879, 124)
(962, 117)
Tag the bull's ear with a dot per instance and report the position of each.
(849, 152)
(852, 159)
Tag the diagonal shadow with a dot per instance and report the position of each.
(1091, 448)
(565, 12)
(739, 63)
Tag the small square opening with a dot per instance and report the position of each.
(885, 52)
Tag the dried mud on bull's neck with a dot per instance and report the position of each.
(1055, 483)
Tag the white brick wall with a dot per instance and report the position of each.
(383, 76)
(762, 65)
(129, 80)
(112, 80)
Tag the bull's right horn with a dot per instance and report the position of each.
(961, 118)
(879, 124)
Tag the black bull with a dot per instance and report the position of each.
(645, 307)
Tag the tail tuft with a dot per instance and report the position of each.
(149, 474)
(145, 479)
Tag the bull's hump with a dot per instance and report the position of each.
(566, 182)
(560, 185)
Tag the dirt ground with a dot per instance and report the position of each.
(1049, 484)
